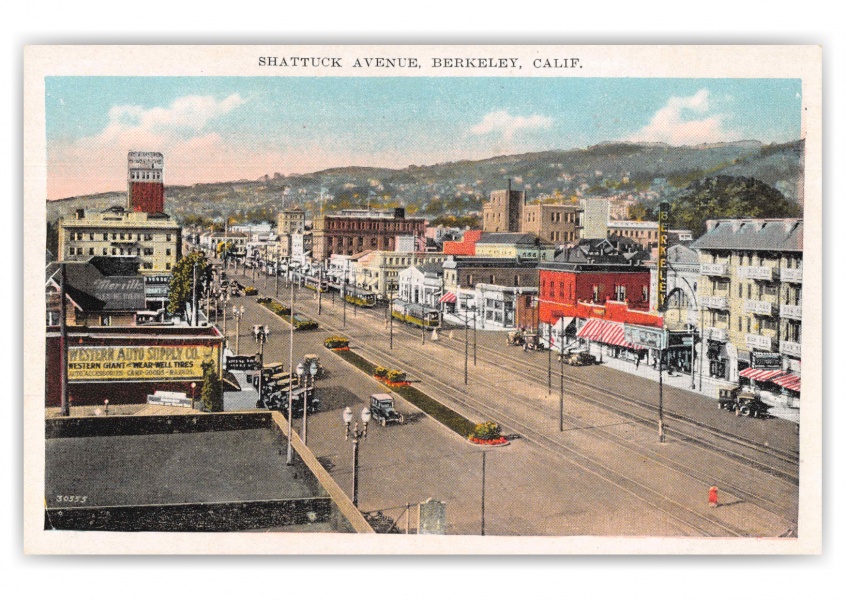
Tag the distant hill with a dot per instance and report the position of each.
(643, 172)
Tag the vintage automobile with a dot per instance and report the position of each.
(746, 402)
(578, 359)
(382, 409)
(515, 338)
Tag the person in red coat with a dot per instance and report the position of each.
(712, 497)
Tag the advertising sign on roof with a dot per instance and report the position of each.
(649, 337)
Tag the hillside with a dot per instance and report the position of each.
(639, 173)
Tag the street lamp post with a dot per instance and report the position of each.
(356, 435)
(238, 313)
(260, 332)
(561, 394)
(106, 406)
(193, 388)
(312, 373)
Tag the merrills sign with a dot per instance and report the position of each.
(129, 363)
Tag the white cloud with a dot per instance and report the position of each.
(684, 121)
(193, 150)
(506, 125)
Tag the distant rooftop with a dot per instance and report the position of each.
(776, 235)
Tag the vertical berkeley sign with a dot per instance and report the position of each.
(663, 217)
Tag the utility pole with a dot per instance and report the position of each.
(290, 457)
(466, 348)
(561, 393)
(63, 345)
(484, 457)
(194, 296)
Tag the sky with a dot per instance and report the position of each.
(214, 129)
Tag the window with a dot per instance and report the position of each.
(148, 251)
(91, 251)
(105, 237)
(167, 251)
(596, 293)
(645, 293)
(105, 320)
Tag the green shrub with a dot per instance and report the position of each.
(337, 341)
(250, 291)
(380, 372)
(487, 431)
(396, 375)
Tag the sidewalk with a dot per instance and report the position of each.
(709, 386)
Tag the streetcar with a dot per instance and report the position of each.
(359, 296)
(316, 284)
(415, 314)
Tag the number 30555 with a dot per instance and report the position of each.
(72, 499)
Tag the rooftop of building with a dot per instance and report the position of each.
(522, 239)
(773, 235)
(114, 214)
(455, 261)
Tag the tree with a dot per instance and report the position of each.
(182, 281)
(212, 396)
(724, 197)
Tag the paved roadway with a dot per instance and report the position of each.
(605, 474)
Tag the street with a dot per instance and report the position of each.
(604, 474)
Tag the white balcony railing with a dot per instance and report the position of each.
(791, 311)
(714, 302)
(761, 342)
(791, 348)
(713, 269)
(716, 333)
(791, 275)
(765, 273)
(758, 307)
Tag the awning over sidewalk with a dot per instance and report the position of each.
(790, 382)
(448, 297)
(760, 374)
(606, 332)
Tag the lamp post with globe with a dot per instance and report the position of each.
(357, 435)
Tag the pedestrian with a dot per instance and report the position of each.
(637, 361)
(712, 497)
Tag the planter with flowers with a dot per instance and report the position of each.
(337, 343)
(488, 434)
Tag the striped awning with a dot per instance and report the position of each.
(606, 332)
(592, 330)
(760, 374)
(448, 297)
(790, 382)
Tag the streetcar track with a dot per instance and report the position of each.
(566, 452)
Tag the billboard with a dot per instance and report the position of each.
(134, 363)
(648, 337)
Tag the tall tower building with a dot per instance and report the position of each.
(145, 182)
(504, 212)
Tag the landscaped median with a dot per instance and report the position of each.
(300, 322)
(459, 424)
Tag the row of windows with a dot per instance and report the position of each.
(356, 225)
(147, 237)
(548, 291)
(145, 175)
(757, 259)
(760, 289)
(74, 251)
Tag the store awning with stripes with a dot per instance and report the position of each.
(790, 382)
(761, 374)
(448, 297)
(606, 332)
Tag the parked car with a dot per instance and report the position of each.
(382, 409)
(747, 402)
(310, 359)
(578, 359)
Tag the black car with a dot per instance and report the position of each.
(382, 409)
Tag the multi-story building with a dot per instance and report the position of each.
(504, 211)
(681, 308)
(145, 182)
(750, 288)
(154, 238)
(557, 223)
(593, 283)
(595, 213)
(353, 231)
(290, 221)
(525, 246)
(380, 271)
(645, 233)
(489, 287)
(421, 284)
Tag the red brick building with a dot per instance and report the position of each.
(354, 231)
(145, 182)
(594, 281)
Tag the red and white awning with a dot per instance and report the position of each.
(606, 332)
(761, 374)
(448, 297)
(790, 382)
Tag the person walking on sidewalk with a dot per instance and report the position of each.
(712, 497)
(637, 362)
